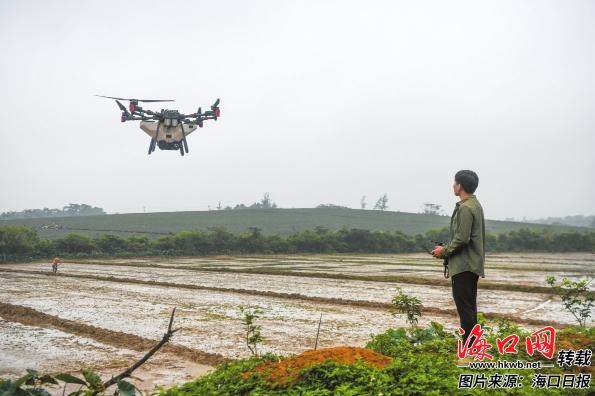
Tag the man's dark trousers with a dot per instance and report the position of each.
(464, 292)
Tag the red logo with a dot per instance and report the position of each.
(542, 341)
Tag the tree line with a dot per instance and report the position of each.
(68, 210)
(21, 243)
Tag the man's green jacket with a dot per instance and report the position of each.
(465, 249)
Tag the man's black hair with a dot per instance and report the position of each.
(468, 180)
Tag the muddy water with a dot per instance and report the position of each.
(51, 350)
(54, 351)
(211, 321)
(527, 269)
(524, 305)
(434, 270)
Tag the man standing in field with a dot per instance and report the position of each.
(465, 250)
(55, 264)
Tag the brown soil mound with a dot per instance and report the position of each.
(288, 369)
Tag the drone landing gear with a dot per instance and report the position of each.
(185, 144)
(154, 141)
(152, 145)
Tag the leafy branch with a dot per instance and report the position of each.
(406, 304)
(253, 334)
(576, 297)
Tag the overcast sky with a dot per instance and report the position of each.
(321, 101)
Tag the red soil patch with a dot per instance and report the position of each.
(288, 369)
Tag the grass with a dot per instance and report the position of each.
(271, 221)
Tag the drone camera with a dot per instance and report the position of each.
(171, 122)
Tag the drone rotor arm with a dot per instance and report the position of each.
(151, 113)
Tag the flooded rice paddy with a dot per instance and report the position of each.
(352, 292)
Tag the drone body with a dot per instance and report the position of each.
(167, 128)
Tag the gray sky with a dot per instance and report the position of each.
(322, 101)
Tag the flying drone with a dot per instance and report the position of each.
(167, 128)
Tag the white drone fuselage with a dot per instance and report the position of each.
(168, 133)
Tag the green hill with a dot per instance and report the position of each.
(271, 221)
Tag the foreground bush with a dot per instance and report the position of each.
(417, 361)
(423, 363)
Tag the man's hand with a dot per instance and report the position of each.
(437, 252)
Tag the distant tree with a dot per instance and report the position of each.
(265, 203)
(363, 202)
(138, 244)
(382, 203)
(240, 206)
(111, 244)
(223, 240)
(17, 240)
(68, 210)
(82, 210)
(219, 207)
(576, 221)
(430, 208)
(75, 243)
(252, 241)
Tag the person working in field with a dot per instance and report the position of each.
(55, 264)
(465, 249)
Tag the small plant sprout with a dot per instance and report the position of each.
(408, 305)
(576, 297)
(253, 334)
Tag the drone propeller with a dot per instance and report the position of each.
(137, 100)
(125, 112)
(134, 102)
(122, 107)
